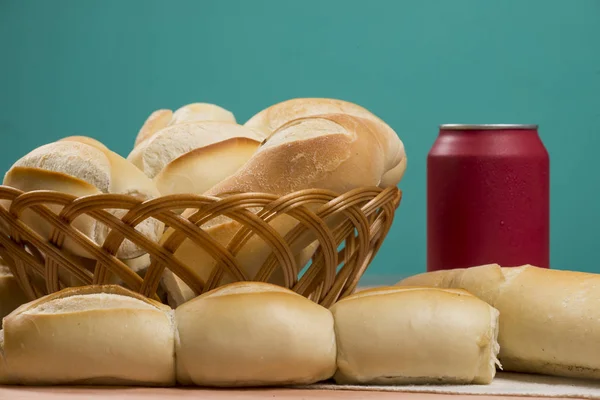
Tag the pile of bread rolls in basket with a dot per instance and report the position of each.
(457, 326)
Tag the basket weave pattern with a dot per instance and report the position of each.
(343, 254)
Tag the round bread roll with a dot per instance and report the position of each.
(81, 166)
(253, 334)
(415, 335)
(94, 335)
(550, 319)
(11, 294)
(336, 152)
(193, 157)
(275, 116)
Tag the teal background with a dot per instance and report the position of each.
(100, 67)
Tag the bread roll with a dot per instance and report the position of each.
(11, 294)
(550, 319)
(335, 152)
(253, 334)
(195, 112)
(82, 166)
(274, 117)
(86, 140)
(201, 112)
(415, 336)
(193, 157)
(155, 122)
(90, 335)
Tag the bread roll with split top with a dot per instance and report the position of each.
(82, 166)
(277, 115)
(154, 123)
(337, 152)
(94, 335)
(201, 112)
(194, 156)
(160, 119)
(253, 334)
(549, 319)
(415, 335)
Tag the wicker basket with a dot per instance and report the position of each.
(342, 257)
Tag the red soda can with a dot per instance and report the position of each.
(488, 197)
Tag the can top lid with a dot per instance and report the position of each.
(485, 127)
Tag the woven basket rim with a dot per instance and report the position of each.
(39, 240)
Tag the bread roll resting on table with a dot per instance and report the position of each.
(415, 335)
(253, 334)
(549, 319)
(93, 335)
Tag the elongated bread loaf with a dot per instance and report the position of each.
(549, 319)
(83, 166)
(415, 335)
(103, 335)
(160, 119)
(254, 334)
(337, 152)
(192, 157)
(201, 112)
(277, 115)
(155, 122)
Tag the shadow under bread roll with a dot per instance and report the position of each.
(253, 334)
(11, 294)
(93, 335)
(415, 335)
(550, 319)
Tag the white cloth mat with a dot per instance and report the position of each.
(505, 384)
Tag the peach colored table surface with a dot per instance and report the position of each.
(93, 393)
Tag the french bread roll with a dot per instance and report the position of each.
(277, 115)
(415, 335)
(201, 112)
(550, 319)
(253, 334)
(83, 166)
(11, 294)
(102, 335)
(155, 122)
(192, 157)
(160, 119)
(337, 152)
